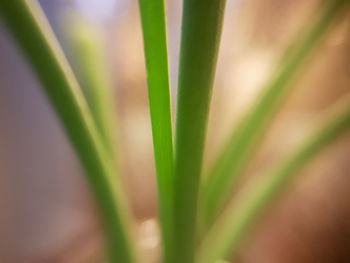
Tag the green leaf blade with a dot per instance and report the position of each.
(244, 139)
(30, 29)
(201, 33)
(227, 234)
(156, 54)
(88, 41)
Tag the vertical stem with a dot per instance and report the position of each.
(156, 54)
(201, 33)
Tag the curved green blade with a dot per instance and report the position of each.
(29, 27)
(226, 235)
(244, 139)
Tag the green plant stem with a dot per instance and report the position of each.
(29, 27)
(226, 235)
(156, 54)
(88, 42)
(244, 139)
(201, 33)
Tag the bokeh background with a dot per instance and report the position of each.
(47, 213)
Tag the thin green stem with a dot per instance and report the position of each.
(29, 27)
(156, 54)
(88, 42)
(244, 139)
(226, 235)
(201, 33)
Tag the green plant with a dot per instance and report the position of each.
(244, 138)
(155, 43)
(88, 126)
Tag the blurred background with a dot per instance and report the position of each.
(47, 213)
